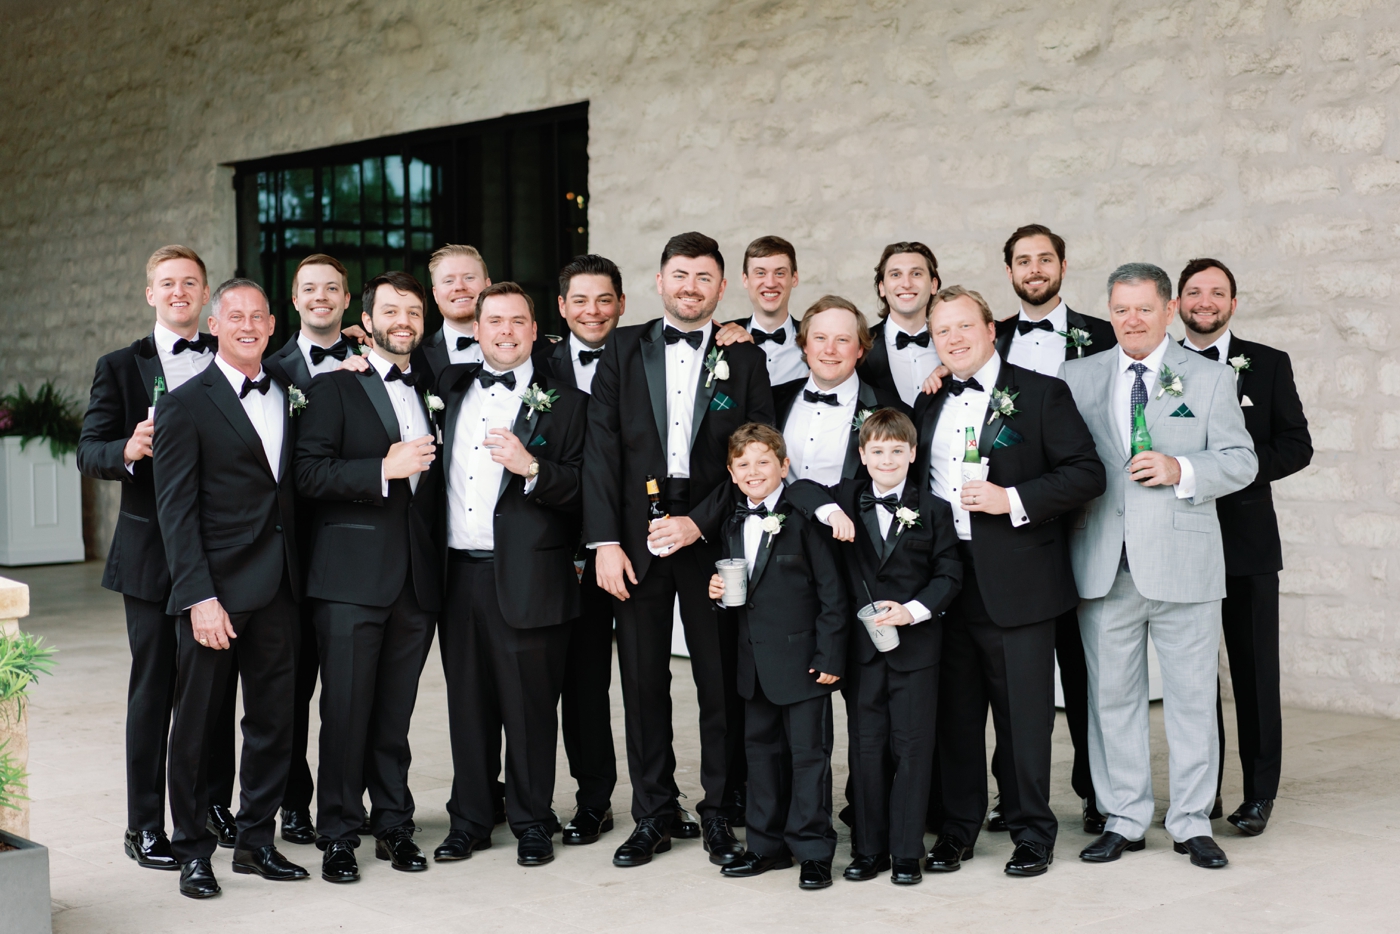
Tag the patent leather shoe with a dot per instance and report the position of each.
(1252, 817)
(905, 871)
(338, 864)
(1110, 847)
(948, 855)
(197, 879)
(684, 826)
(587, 826)
(297, 826)
(459, 845)
(265, 861)
(724, 848)
(1204, 852)
(996, 823)
(651, 836)
(751, 864)
(221, 824)
(864, 868)
(1030, 859)
(150, 849)
(398, 848)
(535, 848)
(1093, 820)
(816, 874)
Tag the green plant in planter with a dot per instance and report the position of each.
(12, 777)
(48, 414)
(23, 657)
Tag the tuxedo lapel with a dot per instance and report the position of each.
(148, 365)
(703, 392)
(653, 350)
(436, 352)
(1007, 383)
(1007, 331)
(929, 422)
(227, 401)
(765, 549)
(878, 360)
(564, 364)
(373, 385)
(288, 436)
(865, 401)
(294, 362)
(909, 499)
(525, 421)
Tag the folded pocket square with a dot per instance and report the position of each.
(1183, 412)
(721, 403)
(538, 442)
(1007, 437)
(1244, 401)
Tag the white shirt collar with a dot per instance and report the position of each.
(381, 366)
(785, 326)
(987, 374)
(1153, 361)
(449, 332)
(305, 343)
(770, 500)
(894, 329)
(235, 376)
(523, 373)
(1058, 317)
(898, 489)
(845, 393)
(576, 345)
(704, 329)
(166, 338)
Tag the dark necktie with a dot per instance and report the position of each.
(869, 500)
(1210, 353)
(394, 373)
(902, 340)
(337, 350)
(198, 345)
(693, 338)
(826, 398)
(586, 357)
(1139, 394)
(261, 385)
(464, 342)
(743, 512)
(489, 379)
(1025, 327)
(778, 337)
(957, 388)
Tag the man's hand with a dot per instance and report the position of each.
(407, 458)
(1153, 468)
(355, 334)
(732, 333)
(981, 496)
(842, 528)
(211, 625)
(934, 381)
(612, 564)
(823, 677)
(507, 451)
(675, 532)
(354, 362)
(894, 614)
(716, 587)
(139, 444)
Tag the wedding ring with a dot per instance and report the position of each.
(203, 641)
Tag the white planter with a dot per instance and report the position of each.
(24, 887)
(41, 505)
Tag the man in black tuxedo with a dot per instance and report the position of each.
(665, 401)
(458, 275)
(902, 358)
(116, 445)
(512, 445)
(366, 453)
(1273, 413)
(999, 641)
(222, 461)
(321, 295)
(590, 302)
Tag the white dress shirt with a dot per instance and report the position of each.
(785, 361)
(753, 528)
(449, 338)
(1122, 407)
(474, 479)
(949, 443)
(265, 411)
(1041, 351)
(684, 365)
(885, 517)
(1221, 343)
(179, 368)
(818, 434)
(912, 365)
(413, 418)
(304, 344)
(583, 373)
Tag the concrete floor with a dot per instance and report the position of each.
(1320, 867)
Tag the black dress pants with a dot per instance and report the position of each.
(1249, 616)
(150, 699)
(299, 783)
(892, 734)
(789, 766)
(585, 709)
(644, 655)
(371, 659)
(264, 656)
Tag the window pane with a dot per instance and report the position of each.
(393, 191)
(372, 180)
(299, 195)
(340, 196)
(294, 237)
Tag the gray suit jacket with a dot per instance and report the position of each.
(1173, 545)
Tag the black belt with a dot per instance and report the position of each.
(470, 555)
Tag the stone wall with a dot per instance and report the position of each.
(1255, 130)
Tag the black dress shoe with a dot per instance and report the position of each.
(365, 830)
(338, 865)
(297, 826)
(398, 848)
(905, 871)
(684, 826)
(995, 822)
(150, 848)
(1109, 847)
(724, 848)
(865, 868)
(587, 826)
(1252, 817)
(459, 845)
(847, 816)
(751, 864)
(1219, 810)
(1204, 852)
(535, 847)
(197, 879)
(947, 855)
(1093, 820)
(651, 836)
(1030, 859)
(816, 874)
(265, 861)
(221, 824)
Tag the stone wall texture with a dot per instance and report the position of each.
(1258, 131)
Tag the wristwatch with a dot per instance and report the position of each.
(533, 470)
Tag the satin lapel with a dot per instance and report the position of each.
(148, 365)
(765, 549)
(524, 429)
(436, 352)
(452, 409)
(288, 439)
(992, 428)
(930, 421)
(703, 393)
(1004, 338)
(878, 360)
(564, 364)
(910, 498)
(379, 397)
(223, 396)
(865, 399)
(295, 365)
(653, 350)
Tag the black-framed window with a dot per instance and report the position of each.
(515, 187)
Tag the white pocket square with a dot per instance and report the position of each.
(1244, 401)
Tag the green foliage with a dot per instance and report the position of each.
(12, 778)
(22, 659)
(48, 414)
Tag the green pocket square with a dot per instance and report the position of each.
(721, 403)
(539, 442)
(1007, 437)
(1183, 412)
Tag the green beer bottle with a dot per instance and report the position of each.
(1141, 440)
(971, 455)
(157, 390)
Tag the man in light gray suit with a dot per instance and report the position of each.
(1147, 557)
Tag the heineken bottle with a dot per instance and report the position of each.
(1141, 440)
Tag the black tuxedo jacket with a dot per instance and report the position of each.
(366, 544)
(536, 534)
(552, 358)
(627, 431)
(1275, 419)
(292, 363)
(230, 526)
(796, 614)
(1024, 573)
(918, 563)
(121, 397)
(1101, 336)
(874, 367)
(431, 357)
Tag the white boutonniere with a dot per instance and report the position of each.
(907, 518)
(1004, 404)
(717, 366)
(1169, 383)
(860, 418)
(773, 523)
(537, 399)
(1240, 364)
(1078, 338)
(296, 400)
(433, 403)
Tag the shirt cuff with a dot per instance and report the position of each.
(1018, 510)
(530, 484)
(594, 546)
(130, 467)
(918, 611)
(383, 482)
(823, 513)
(1186, 486)
(200, 603)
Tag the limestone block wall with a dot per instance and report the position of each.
(1259, 131)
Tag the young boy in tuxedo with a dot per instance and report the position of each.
(905, 557)
(792, 648)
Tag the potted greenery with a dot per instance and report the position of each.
(41, 499)
(24, 865)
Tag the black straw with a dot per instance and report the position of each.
(868, 595)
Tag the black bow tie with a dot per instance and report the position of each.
(464, 342)
(1025, 327)
(902, 340)
(693, 338)
(261, 385)
(394, 373)
(586, 357)
(829, 398)
(337, 350)
(957, 388)
(200, 344)
(869, 500)
(778, 337)
(1210, 353)
(489, 379)
(743, 512)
